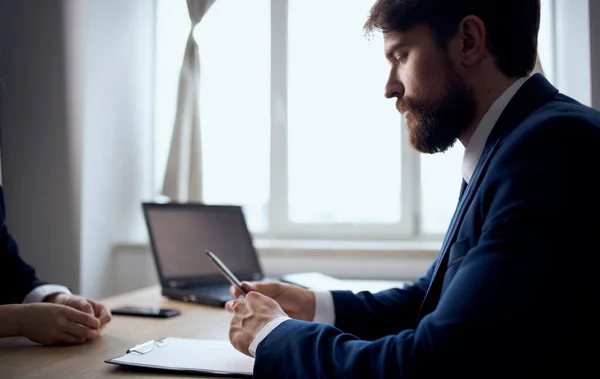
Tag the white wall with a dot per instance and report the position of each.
(40, 179)
(117, 154)
(76, 132)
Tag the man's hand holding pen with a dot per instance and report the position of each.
(264, 302)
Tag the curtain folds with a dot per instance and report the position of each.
(183, 175)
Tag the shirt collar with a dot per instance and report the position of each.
(482, 132)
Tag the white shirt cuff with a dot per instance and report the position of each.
(324, 309)
(265, 332)
(38, 294)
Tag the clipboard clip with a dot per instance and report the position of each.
(147, 347)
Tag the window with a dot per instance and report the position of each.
(295, 126)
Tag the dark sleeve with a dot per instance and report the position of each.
(17, 278)
(521, 304)
(373, 315)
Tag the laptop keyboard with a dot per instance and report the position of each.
(216, 291)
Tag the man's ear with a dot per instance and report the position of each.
(472, 40)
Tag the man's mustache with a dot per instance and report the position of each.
(401, 106)
(408, 105)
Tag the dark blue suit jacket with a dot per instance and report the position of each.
(513, 292)
(17, 278)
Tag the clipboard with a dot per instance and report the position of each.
(214, 357)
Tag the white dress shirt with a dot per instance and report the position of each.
(477, 143)
(324, 307)
(38, 294)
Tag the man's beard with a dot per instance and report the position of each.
(437, 124)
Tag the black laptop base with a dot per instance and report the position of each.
(216, 300)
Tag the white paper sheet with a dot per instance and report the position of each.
(186, 354)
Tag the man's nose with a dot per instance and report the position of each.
(394, 87)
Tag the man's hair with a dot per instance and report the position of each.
(511, 25)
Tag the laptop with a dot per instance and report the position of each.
(180, 233)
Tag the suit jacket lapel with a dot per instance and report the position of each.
(435, 287)
(533, 94)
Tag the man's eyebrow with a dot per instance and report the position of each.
(392, 49)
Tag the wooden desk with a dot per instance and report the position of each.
(20, 358)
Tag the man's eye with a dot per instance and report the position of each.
(402, 57)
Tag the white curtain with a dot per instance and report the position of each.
(183, 175)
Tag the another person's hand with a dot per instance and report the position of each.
(250, 315)
(81, 303)
(55, 324)
(297, 302)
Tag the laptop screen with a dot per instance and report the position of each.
(181, 233)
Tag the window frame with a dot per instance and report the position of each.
(279, 222)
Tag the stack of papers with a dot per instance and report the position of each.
(320, 282)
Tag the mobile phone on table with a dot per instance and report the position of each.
(226, 272)
(145, 311)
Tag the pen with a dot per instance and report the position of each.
(226, 272)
